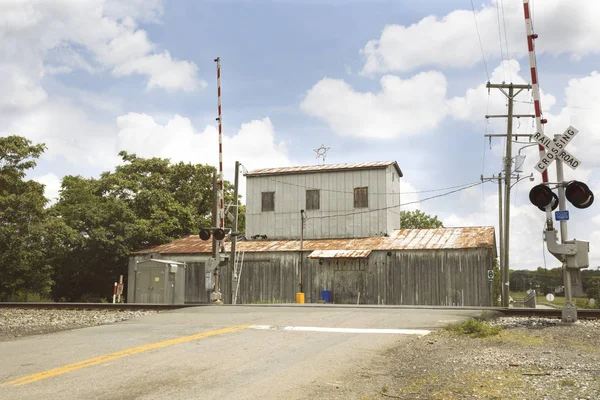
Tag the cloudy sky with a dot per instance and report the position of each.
(373, 80)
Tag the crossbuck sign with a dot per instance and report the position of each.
(556, 149)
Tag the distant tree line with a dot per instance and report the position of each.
(546, 280)
(75, 249)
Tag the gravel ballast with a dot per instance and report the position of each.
(532, 358)
(20, 322)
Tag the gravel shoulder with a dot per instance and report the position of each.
(531, 358)
(16, 322)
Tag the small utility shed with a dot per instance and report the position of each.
(159, 282)
(445, 266)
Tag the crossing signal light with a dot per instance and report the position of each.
(541, 196)
(204, 234)
(579, 194)
(218, 233)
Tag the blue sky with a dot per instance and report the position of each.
(373, 80)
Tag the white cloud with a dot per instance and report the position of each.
(254, 144)
(476, 102)
(401, 108)
(18, 88)
(163, 72)
(451, 41)
(92, 35)
(409, 195)
(52, 185)
(69, 131)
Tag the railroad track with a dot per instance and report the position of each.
(514, 312)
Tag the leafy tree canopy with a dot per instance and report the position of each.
(22, 221)
(144, 202)
(418, 220)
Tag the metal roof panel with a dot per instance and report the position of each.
(405, 239)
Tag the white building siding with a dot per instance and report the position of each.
(337, 217)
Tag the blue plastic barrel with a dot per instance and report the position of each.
(326, 296)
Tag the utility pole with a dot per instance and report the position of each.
(501, 240)
(234, 233)
(500, 234)
(505, 257)
(214, 214)
(507, 182)
(215, 251)
(301, 251)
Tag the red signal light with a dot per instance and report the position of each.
(204, 234)
(541, 196)
(579, 194)
(219, 234)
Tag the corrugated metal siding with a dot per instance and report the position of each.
(337, 198)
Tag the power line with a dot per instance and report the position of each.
(505, 39)
(384, 208)
(565, 106)
(480, 43)
(500, 38)
(371, 193)
(405, 204)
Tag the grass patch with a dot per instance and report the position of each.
(567, 382)
(30, 297)
(479, 384)
(521, 338)
(478, 329)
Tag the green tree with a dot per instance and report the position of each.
(593, 288)
(22, 221)
(144, 202)
(418, 220)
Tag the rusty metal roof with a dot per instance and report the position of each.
(405, 239)
(340, 254)
(323, 168)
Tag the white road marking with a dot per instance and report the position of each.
(260, 327)
(344, 330)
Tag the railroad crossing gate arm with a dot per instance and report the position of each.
(573, 252)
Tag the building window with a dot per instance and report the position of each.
(313, 199)
(361, 197)
(268, 201)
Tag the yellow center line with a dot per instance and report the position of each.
(113, 356)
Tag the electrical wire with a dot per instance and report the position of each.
(405, 204)
(500, 38)
(371, 193)
(480, 42)
(505, 39)
(384, 208)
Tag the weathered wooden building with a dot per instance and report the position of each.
(413, 267)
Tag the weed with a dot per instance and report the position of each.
(475, 329)
(567, 382)
(384, 389)
(30, 297)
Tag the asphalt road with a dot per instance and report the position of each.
(211, 352)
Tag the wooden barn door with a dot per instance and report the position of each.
(348, 281)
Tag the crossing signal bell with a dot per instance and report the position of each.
(541, 196)
(579, 194)
(218, 233)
